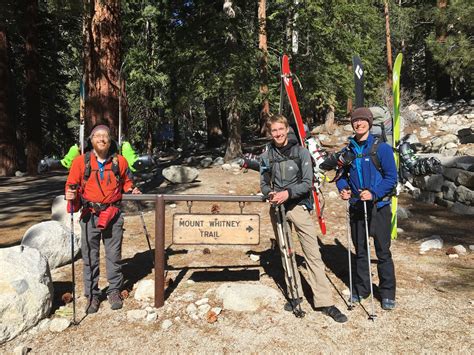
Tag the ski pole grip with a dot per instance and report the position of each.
(73, 205)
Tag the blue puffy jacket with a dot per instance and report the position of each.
(363, 175)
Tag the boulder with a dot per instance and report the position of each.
(59, 213)
(145, 290)
(180, 174)
(26, 290)
(448, 189)
(433, 242)
(206, 162)
(466, 178)
(460, 249)
(451, 173)
(53, 241)
(430, 182)
(403, 213)
(463, 209)
(438, 142)
(218, 161)
(464, 195)
(242, 297)
(443, 202)
(412, 139)
(58, 325)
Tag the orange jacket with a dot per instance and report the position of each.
(95, 189)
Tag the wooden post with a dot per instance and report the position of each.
(159, 251)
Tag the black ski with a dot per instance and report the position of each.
(358, 69)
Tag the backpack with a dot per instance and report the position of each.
(382, 124)
(382, 130)
(293, 156)
(88, 169)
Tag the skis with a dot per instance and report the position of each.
(396, 133)
(290, 91)
(358, 69)
(289, 259)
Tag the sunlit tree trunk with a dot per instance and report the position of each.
(8, 153)
(32, 98)
(262, 45)
(102, 61)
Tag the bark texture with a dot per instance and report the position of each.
(102, 61)
(8, 153)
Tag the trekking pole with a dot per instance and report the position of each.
(147, 235)
(349, 252)
(74, 187)
(288, 256)
(371, 316)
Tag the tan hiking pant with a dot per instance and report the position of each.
(303, 223)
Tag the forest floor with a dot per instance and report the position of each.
(435, 293)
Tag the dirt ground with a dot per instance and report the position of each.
(435, 294)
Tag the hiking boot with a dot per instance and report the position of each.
(357, 298)
(93, 305)
(334, 313)
(291, 304)
(115, 300)
(388, 304)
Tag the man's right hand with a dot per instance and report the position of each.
(345, 194)
(71, 193)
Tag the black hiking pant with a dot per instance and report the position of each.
(379, 229)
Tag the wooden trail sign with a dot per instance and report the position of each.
(231, 229)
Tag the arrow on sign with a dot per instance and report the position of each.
(249, 229)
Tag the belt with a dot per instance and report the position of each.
(99, 207)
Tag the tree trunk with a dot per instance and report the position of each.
(234, 141)
(294, 29)
(389, 48)
(32, 98)
(443, 80)
(223, 116)
(214, 129)
(102, 61)
(349, 99)
(262, 45)
(149, 91)
(8, 153)
(329, 120)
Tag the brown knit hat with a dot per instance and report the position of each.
(362, 113)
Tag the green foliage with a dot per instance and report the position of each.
(454, 52)
(181, 54)
(58, 47)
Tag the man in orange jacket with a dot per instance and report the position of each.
(96, 182)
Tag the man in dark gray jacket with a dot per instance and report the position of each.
(286, 178)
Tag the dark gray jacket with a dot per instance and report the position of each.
(294, 174)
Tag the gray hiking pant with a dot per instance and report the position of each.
(112, 238)
(303, 223)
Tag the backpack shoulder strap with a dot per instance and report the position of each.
(116, 168)
(373, 154)
(87, 166)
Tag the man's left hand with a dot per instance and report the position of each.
(278, 198)
(366, 195)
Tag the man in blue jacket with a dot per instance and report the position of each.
(370, 178)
